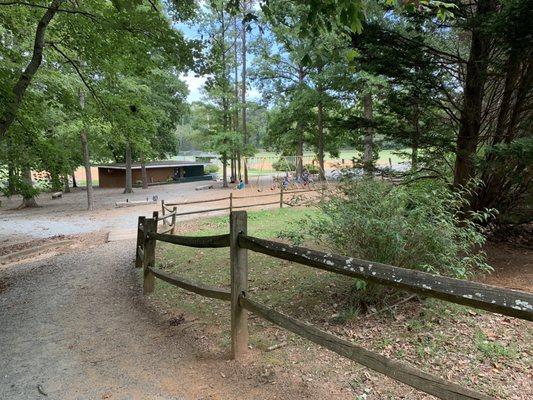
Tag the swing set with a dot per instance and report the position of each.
(261, 172)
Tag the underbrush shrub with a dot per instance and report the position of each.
(421, 226)
(312, 169)
(283, 165)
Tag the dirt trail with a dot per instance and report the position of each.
(76, 327)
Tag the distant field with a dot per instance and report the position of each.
(384, 155)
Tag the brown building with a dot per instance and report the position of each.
(114, 175)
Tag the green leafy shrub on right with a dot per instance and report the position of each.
(419, 227)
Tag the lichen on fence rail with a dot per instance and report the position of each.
(193, 241)
(491, 298)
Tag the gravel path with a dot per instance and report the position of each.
(68, 215)
(76, 327)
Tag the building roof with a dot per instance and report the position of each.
(153, 164)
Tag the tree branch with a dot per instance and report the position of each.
(26, 77)
(63, 10)
(78, 71)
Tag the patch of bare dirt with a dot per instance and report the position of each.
(14, 247)
(74, 242)
(513, 266)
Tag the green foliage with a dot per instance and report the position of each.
(284, 165)
(16, 184)
(418, 227)
(100, 51)
(493, 350)
(312, 168)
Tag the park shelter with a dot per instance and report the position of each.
(158, 172)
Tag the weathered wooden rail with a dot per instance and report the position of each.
(231, 199)
(499, 300)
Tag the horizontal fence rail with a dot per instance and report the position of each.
(193, 241)
(185, 203)
(256, 205)
(166, 216)
(203, 290)
(491, 298)
(203, 211)
(165, 207)
(503, 301)
(397, 370)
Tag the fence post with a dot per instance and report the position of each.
(231, 202)
(239, 284)
(149, 255)
(163, 209)
(281, 196)
(140, 241)
(175, 211)
(155, 215)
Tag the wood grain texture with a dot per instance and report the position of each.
(185, 203)
(203, 211)
(149, 256)
(256, 205)
(491, 298)
(194, 241)
(239, 284)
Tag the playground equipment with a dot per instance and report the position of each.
(262, 174)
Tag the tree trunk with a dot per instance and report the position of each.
(300, 153)
(320, 125)
(74, 183)
(474, 91)
(28, 200)
(415, 140)
(233, 173)
(67, 184)
(88, 173)
(86, 160)
(236, 74)
(239, 174)
(144, 175)
(224, 171)
(129, 180)
(300, 128)
(25, 78)
(243, 96)
(368, 155)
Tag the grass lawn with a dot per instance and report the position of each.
(83, 183)
(481, 350)
(347, 155)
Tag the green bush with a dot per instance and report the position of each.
(211, 168)
(21, 186)
(312, 169)
(415, 227)
(283, 165)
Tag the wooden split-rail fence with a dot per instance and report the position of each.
(485, 297)
(285, 198)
